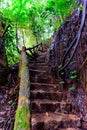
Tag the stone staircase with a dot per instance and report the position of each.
(49, 107)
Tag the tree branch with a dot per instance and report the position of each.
(6, 28)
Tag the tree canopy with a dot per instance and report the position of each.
(39, 16)
(38, 20)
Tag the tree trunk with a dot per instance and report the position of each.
(22, 118)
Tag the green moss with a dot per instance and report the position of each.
(22, 119)
(23, 66)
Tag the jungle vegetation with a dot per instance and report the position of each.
(31, 22)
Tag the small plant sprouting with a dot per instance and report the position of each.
(9, 121)
(73, 72)
(73, 76)
(61, 82)
(72, 89)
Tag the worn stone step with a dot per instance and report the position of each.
(32, 66)
(43, 78)
(52, 121)
(39, 59)
(42, 106)
(40, 79)
(42, 54)
(70, 129)
(37, 72)
(40, 94)
(44, 86)
(44, 50)
(38, 64)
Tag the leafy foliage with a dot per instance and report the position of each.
(38, 19)
(42, 17)
(11, 50)
(60, 9)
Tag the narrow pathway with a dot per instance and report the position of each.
(50, 109)
(49, 106)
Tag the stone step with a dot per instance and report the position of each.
(40, 79)
(45, 47)
(38, 59)
(40, 94)
(52, 121)
(44, 86)
(70, 129)
(41, 54)
(33, 66)
(42, 106)
(43, 78)
(37, 72)
(43, 51)
(38, 64)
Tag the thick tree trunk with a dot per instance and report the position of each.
(22, 118)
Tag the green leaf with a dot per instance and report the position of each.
(60, 66)
(62, 73)
(81, 7)
(9, 122)
(13, 103)
(0, 122)
(72, 89)
(73, 72)
(73, 77)
(72, 62)
(62, 82)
